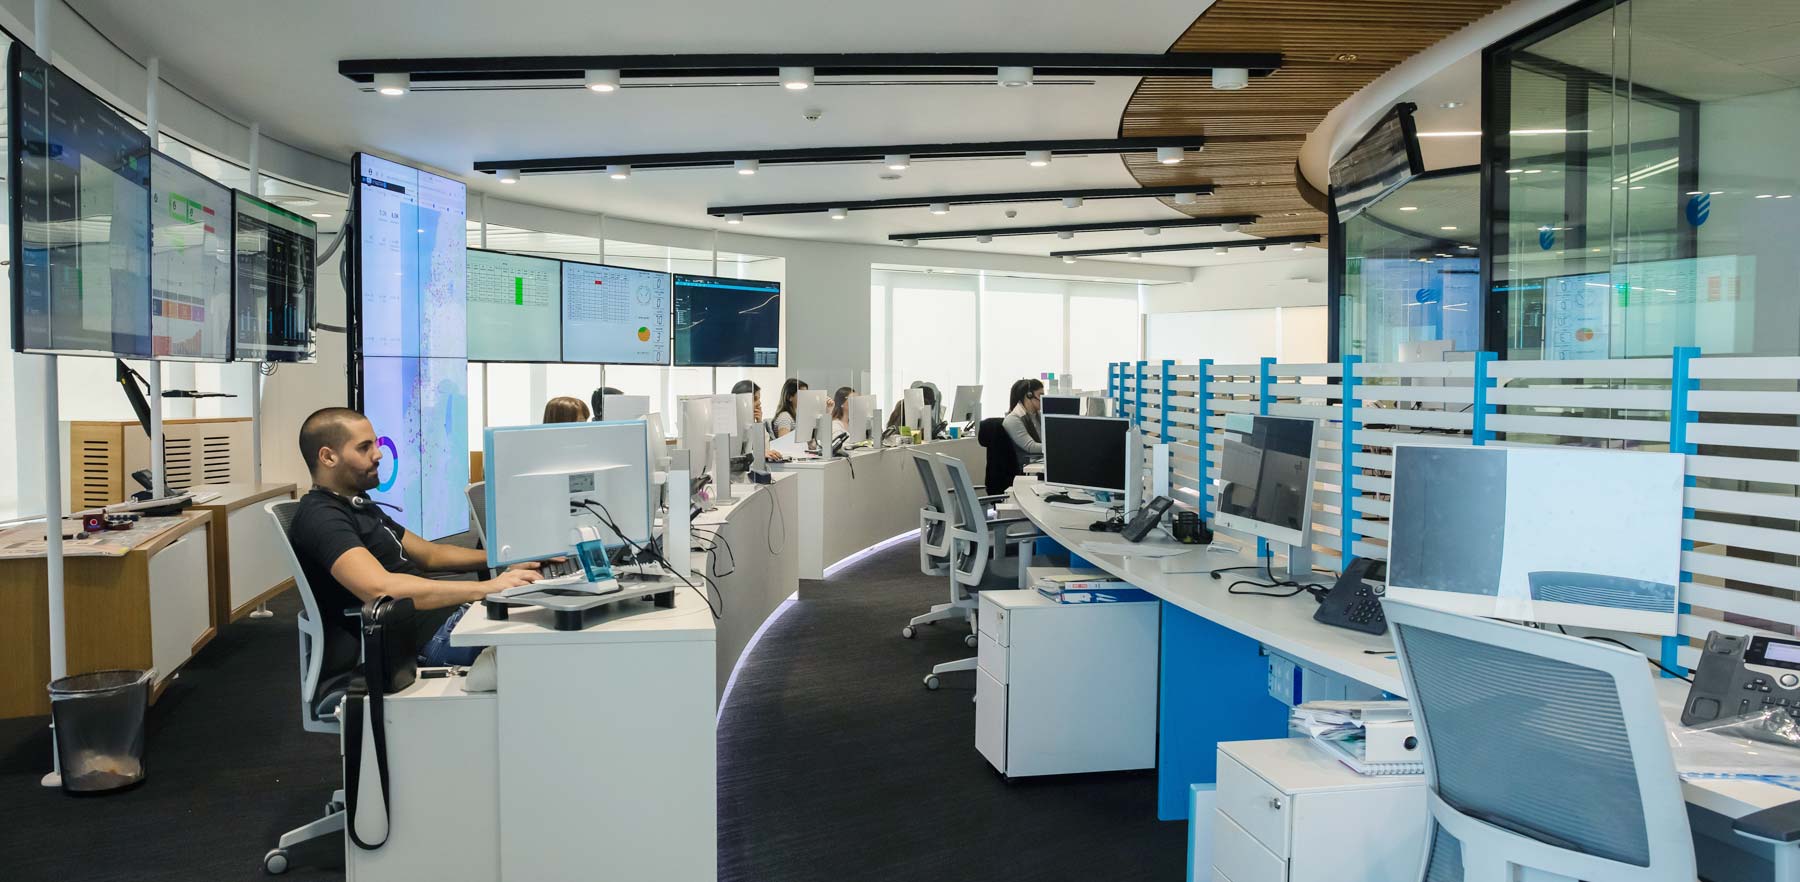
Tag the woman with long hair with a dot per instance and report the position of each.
(784, 414)
(840, 410)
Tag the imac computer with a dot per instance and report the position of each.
(861, 421)
(1554, 535)
(616, 408)
(967, 406)
(696, 436)
(1266, 479)
(1061, 405)
(811, 407)
(918, 413)
(547, 482)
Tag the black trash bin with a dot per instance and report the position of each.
(99, 720)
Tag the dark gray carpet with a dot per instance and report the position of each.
(835, 763)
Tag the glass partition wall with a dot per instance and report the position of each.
(1640, 179)
(1411, 270)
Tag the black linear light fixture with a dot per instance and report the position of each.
(1298, 243)
(1169, 150)
(607, 73)
(1073, 198)
(1067, 231)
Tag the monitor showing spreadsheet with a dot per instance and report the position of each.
(614, 315)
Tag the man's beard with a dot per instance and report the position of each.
(369, 480)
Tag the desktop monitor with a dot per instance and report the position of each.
(1556, 535)
(190, 263)
(696, 430)
(746, 411)
(967, 406)
(1062, 405)
(809, 406)
(1266, 479)
(546, 481)
(1086, 453)
(860, 421)
(614, 315)
(918, 413)
(514, 307)
(623, 407)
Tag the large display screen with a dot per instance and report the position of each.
(721, 322)
(190, 263)
(274, 305)
(515, 306)
(410, 320)
(419, 408)
(413, 260)
(614, 315)
(80, 188)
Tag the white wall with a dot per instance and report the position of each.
(1296, 281)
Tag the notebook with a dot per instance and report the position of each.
(1345, 753)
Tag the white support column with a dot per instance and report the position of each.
(53, 477)
(256, 380)
(159, 477)
(715, 253)
(486, 392)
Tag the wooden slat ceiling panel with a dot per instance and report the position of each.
(1330, 49)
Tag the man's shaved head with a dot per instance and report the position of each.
(327, 427)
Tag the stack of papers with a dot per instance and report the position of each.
(1342, 729)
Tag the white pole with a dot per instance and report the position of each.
(53, 489)
(256, 381)
(486, 392)
(603, 237)
(715, 253)
(159, 475)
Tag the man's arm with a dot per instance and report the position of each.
(439, 557)
(359, 571)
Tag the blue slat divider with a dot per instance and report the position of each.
(1681, 382)
(1481, 409)
(1347, 491)
(1165, 420)
(1204, 397)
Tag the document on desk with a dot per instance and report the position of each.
(1134, 549)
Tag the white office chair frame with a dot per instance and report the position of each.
(976, 541)
(1491, 853)
(934, 520)
(312, 662)
(477, 510)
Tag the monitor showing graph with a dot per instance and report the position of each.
(515, 307)
(614, 315)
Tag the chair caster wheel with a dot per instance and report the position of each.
(276, 861)
(931, 682)
(969, 641)
(907, 632)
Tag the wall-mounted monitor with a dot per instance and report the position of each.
(614, 315)
(727, 322)
(274, 300)
(412, 261)
(190, 263)
(80, 186)
(515, 307)
(1382, 162)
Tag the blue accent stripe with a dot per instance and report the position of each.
(1168, 377)
(1264, 380)
(1204, 396)
(1681, 383)
(1137, 395)
(1481, 408)
(1347, 491)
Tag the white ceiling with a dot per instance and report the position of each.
(280, 68)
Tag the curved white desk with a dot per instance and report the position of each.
(1286, 626)
(848, 504)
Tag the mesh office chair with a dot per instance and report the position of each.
(978, 540)
(476, 493)
(934, 524)
(1546, 756)
(328, 660)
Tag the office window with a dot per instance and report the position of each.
(1021, 336)
(1289, 334)
(1412, 269)
(1643, 198)
(1104, 327)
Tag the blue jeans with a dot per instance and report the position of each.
(437, 652)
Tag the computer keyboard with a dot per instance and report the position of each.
(568, 566)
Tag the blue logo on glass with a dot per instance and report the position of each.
(1428, 295)
(1698, 209)
(1546, 238)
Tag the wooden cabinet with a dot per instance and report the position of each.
(102, 456)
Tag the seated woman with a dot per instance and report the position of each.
(840, 411)
(1024, 421)
(565, 410)
(784, 413)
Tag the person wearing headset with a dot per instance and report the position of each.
(755, 392)
(352, 552)
(599, 400)
(1024, 421)
(565, 410)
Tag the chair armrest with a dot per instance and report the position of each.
(1780, 825)
(992, 498)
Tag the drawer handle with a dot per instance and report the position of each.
(1275, 803)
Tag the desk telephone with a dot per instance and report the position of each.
(1351, 603)
(1740, 674)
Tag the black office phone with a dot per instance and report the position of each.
(1352, 603)
(1738, 675)
(1147, 519)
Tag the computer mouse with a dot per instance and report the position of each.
(484, 674)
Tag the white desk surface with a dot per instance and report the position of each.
(1286, 625)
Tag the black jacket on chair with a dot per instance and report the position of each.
(1002, 457)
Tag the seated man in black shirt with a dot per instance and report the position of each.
(352, 552)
